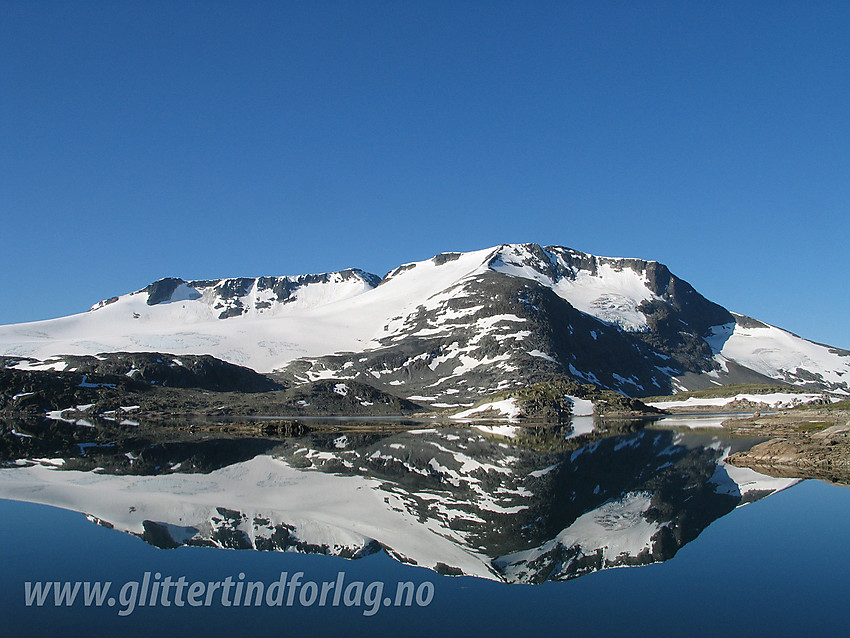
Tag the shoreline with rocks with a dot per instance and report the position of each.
(802, 443)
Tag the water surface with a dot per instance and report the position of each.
(517, 532)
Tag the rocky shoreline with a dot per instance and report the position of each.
(802, 443)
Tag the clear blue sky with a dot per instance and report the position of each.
(213, 139)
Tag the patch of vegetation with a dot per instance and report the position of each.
(840, 406)
(723, 391)
(548, 401)
(811, 427)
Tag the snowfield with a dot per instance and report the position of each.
(779, 354)
(506, 408)
(325, 318)
(610, 295)
(775, 400)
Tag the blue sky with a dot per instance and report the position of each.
(213, 139)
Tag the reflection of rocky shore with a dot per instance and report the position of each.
(526, 505)
(803, 444)
(123, 449)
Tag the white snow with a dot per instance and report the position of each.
(507, 408)
(610, 295)
(86, 384)
(778, 354)
(693, 421)
(581, 407)
(544, 471)
(776, 400)
(542, 355)
(56, 415)
(56, 366)
(51, 462)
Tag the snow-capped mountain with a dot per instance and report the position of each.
(458, 501)
(447, 330)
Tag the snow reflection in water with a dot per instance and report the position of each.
(526, 505)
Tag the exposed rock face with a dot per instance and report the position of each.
(230, 297)
(344, 398)
(162, 290)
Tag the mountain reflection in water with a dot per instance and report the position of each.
(509, 503)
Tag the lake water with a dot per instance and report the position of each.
(544, 524)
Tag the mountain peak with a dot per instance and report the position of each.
(453, 327)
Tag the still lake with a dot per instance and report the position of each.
(629, 532)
